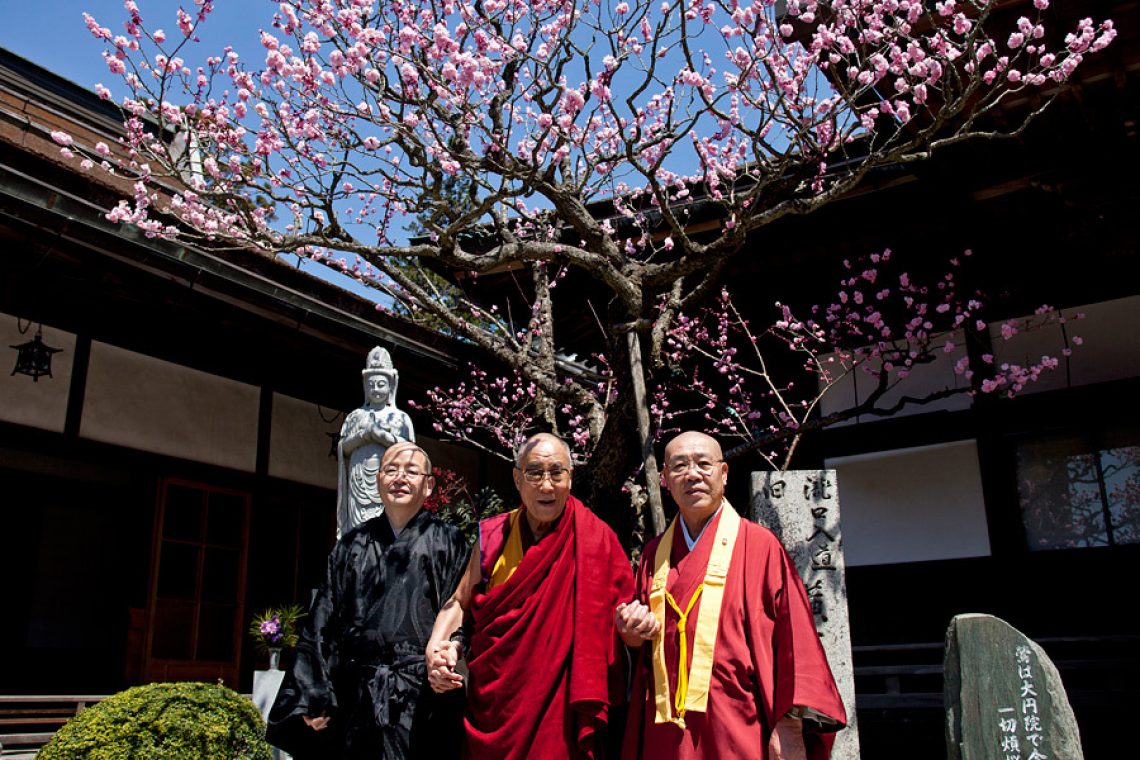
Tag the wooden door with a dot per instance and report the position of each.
(196, 607)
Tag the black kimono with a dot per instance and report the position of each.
(360, 658)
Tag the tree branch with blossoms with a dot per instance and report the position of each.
(767, 389)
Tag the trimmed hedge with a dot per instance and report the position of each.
(164, 721)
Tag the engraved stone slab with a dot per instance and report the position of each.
(802, 508)
(1004, 697)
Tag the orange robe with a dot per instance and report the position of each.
(768, 656)
(545, 662)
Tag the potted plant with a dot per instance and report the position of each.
(275, 629)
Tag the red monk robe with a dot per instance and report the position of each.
(768, 656)
(545, 661)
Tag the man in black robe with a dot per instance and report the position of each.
(358, 686)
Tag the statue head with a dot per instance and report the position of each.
(380, 378)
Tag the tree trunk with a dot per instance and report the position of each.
(652, 474)
(545, 405)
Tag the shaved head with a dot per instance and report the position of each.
(534, 440)
(693, 436)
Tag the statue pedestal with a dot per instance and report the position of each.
(265, 686)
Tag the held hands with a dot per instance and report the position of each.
(317, 724)
(635, 623)
(442, 657)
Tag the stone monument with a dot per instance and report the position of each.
(1004, 697)
(367, 433)
(802, 508)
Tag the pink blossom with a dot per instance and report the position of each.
(185, 23)
(62, 138)
(572, 101)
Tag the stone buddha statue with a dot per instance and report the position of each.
(366, 434)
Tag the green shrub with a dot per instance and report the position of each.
(164, 721)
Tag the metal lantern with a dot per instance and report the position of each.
(34, 357)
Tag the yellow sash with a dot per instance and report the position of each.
(692, 683)
(511, 555)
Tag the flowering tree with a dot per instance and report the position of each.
(640, 143)
(766, 388)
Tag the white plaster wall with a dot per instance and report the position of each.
(911, 505)
(299, 441)
(299, 445)
(448, 455)
(38, 403)
(843, 394)
(1110, 348)
(153, 405)
(923, 380)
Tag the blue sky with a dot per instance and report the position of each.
(52, 34)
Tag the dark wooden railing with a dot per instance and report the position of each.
(27, 722)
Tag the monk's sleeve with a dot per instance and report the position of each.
(307, 688)
(633, 740)
(622, 590)
(450, 558)
(803, 677)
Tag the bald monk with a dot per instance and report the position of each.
(539, 594)
(730, 665)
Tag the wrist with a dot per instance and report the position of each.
(459, 638)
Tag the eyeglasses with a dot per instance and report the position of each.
(536, 475)
(704, 466)
(411, 473)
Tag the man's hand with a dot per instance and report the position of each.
(317, 724)
(635, 623)
(441, 657)
(787, 741)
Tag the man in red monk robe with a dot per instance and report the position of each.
(545, 664)
(736, 669)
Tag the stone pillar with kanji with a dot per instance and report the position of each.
(802, 508)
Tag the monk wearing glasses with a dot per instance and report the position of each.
(533, 617)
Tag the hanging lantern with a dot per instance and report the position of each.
(34, 357)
